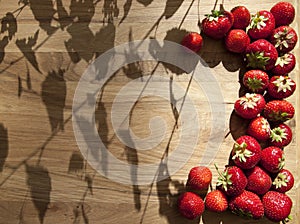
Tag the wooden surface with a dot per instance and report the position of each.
(43, 54)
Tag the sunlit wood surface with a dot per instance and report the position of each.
(45, 47)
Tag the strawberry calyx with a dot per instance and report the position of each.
(241, 152)
(280, 181)
(224, 179)
(216, 14)
(249, 100)
(281, 163)
(283, 84)
(283, 60)
(283, 39)
(288, 219)
(278, 134)
(255, 84)
(279, 116)
(242, 213)
(257, 60)
(257, 21)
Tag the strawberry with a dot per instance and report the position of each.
(272, 159)
(237, 41)
(241, 17)
(256, 80)
(190, 205)
(246, 152)
(281, 135)
(259, 181)
(284, 13)
(216, 201)
(284, 38)
(217, 24)
(249, 105)
(284, 181)
(199, 178)
(192, 41)
(261, 54)
(232, 181)
(284, 64)
(277, 206)
(259, 128)
(281, 87)
(261, 25)
(247, 204)
(279, 111)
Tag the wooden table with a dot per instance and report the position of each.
(45, 50)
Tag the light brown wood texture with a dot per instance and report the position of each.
(43, 176)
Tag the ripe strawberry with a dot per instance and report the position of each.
(232, 181)
(261, 25)
(284, 64)
(192, 41)
(259, 128)
(247, 204)
(217, 24)
(277, 206)
(284, 13)
(284, 181)
(249, 105)
(216, 201)
(237, 41)
(281, 87)
(279, 111)
(272, 159)
(241, 17)
(259, 181)
(281, 135)
(256, 80)
(261, 54)
(199, 178)
(190, 205)
(246, 152)
(284, 38)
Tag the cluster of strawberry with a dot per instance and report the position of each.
(256, 181)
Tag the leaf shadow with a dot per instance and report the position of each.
(39, 183)
(4, 146)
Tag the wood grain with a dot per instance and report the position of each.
(43, 54)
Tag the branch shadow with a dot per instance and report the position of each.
(3, 43)
(39, 183)
(53, 95)
(4, 146)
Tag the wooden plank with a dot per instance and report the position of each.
(43, 176)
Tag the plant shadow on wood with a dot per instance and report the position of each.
(4, 147)
(53, 94)
(39, 183)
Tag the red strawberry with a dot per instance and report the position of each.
(256, 80)
(250, 105)
(259, 181)
(284, 13)
(216, 201)
(284, 38)
(193, 41)
(281, 87)
(261, 54)
(218, 23)
(279, 111)
(277, 206)
(190, 205)
(246, 152)
(284, 64)
(247, 204)
(199, 178)
(259, 128)
(284, 181)
(241, 17)
(261, 25)
(232, 181)
(272, 159)
(237, 41)
(281, 136)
